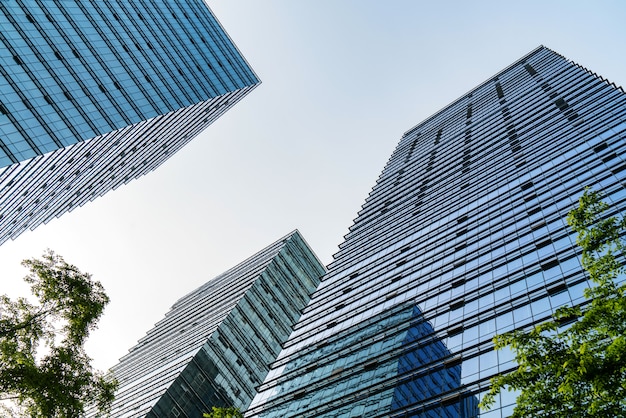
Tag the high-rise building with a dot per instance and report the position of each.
(462, 237)
(96, 93)
(215, 344)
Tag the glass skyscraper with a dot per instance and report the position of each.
(215, 344)
(462, 237)
(96, 93)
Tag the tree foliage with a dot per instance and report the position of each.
(222, 412)
(577, 369)
(44, 369)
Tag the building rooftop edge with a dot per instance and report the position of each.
(477, 86)
(247, 259)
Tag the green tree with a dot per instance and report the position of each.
(577, 369)
(220, 412)
(44, 370)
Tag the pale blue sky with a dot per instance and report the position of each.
(342, 81)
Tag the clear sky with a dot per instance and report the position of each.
(342, 81)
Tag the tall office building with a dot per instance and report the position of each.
(96, 93)
(462, 237)
(215, 344)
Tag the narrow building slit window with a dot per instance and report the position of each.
(600, 147)
(609, 157)
(529, 197)
(455, 331)
(370, 365)
(527, 185)
(543, 243)
(619, 169)
(458, 283)
(561, 104)
(530, 69)
(299, 394)
(548, 264)
(457, 305)
(396, 279)
(499, 91)
(558, 288)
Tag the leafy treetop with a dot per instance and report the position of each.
(59, 380)
(576, 369)
(224, 412)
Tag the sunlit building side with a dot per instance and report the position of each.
(462, 237)
(97, 93)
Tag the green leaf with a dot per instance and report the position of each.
(575, 364)
(59, 382)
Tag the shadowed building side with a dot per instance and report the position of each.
(215, 345)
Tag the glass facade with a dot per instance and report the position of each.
(462, 237)
(215, 344)
(96, 93)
